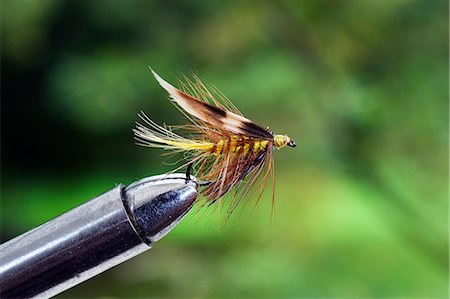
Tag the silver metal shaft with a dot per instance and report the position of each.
(94, 236)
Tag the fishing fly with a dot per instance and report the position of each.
(227, 152)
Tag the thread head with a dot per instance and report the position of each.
(283, 140)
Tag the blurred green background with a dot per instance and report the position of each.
(362, 86)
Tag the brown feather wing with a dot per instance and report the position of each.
(219, 118)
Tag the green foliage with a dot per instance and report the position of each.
(362, 86)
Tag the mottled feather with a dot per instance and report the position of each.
(213, 115)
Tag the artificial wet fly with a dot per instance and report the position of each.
(228, 152)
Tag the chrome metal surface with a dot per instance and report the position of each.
(93, 237)
(156, 220)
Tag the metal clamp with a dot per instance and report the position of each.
(94, 237)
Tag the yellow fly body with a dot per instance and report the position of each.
(228, 151)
